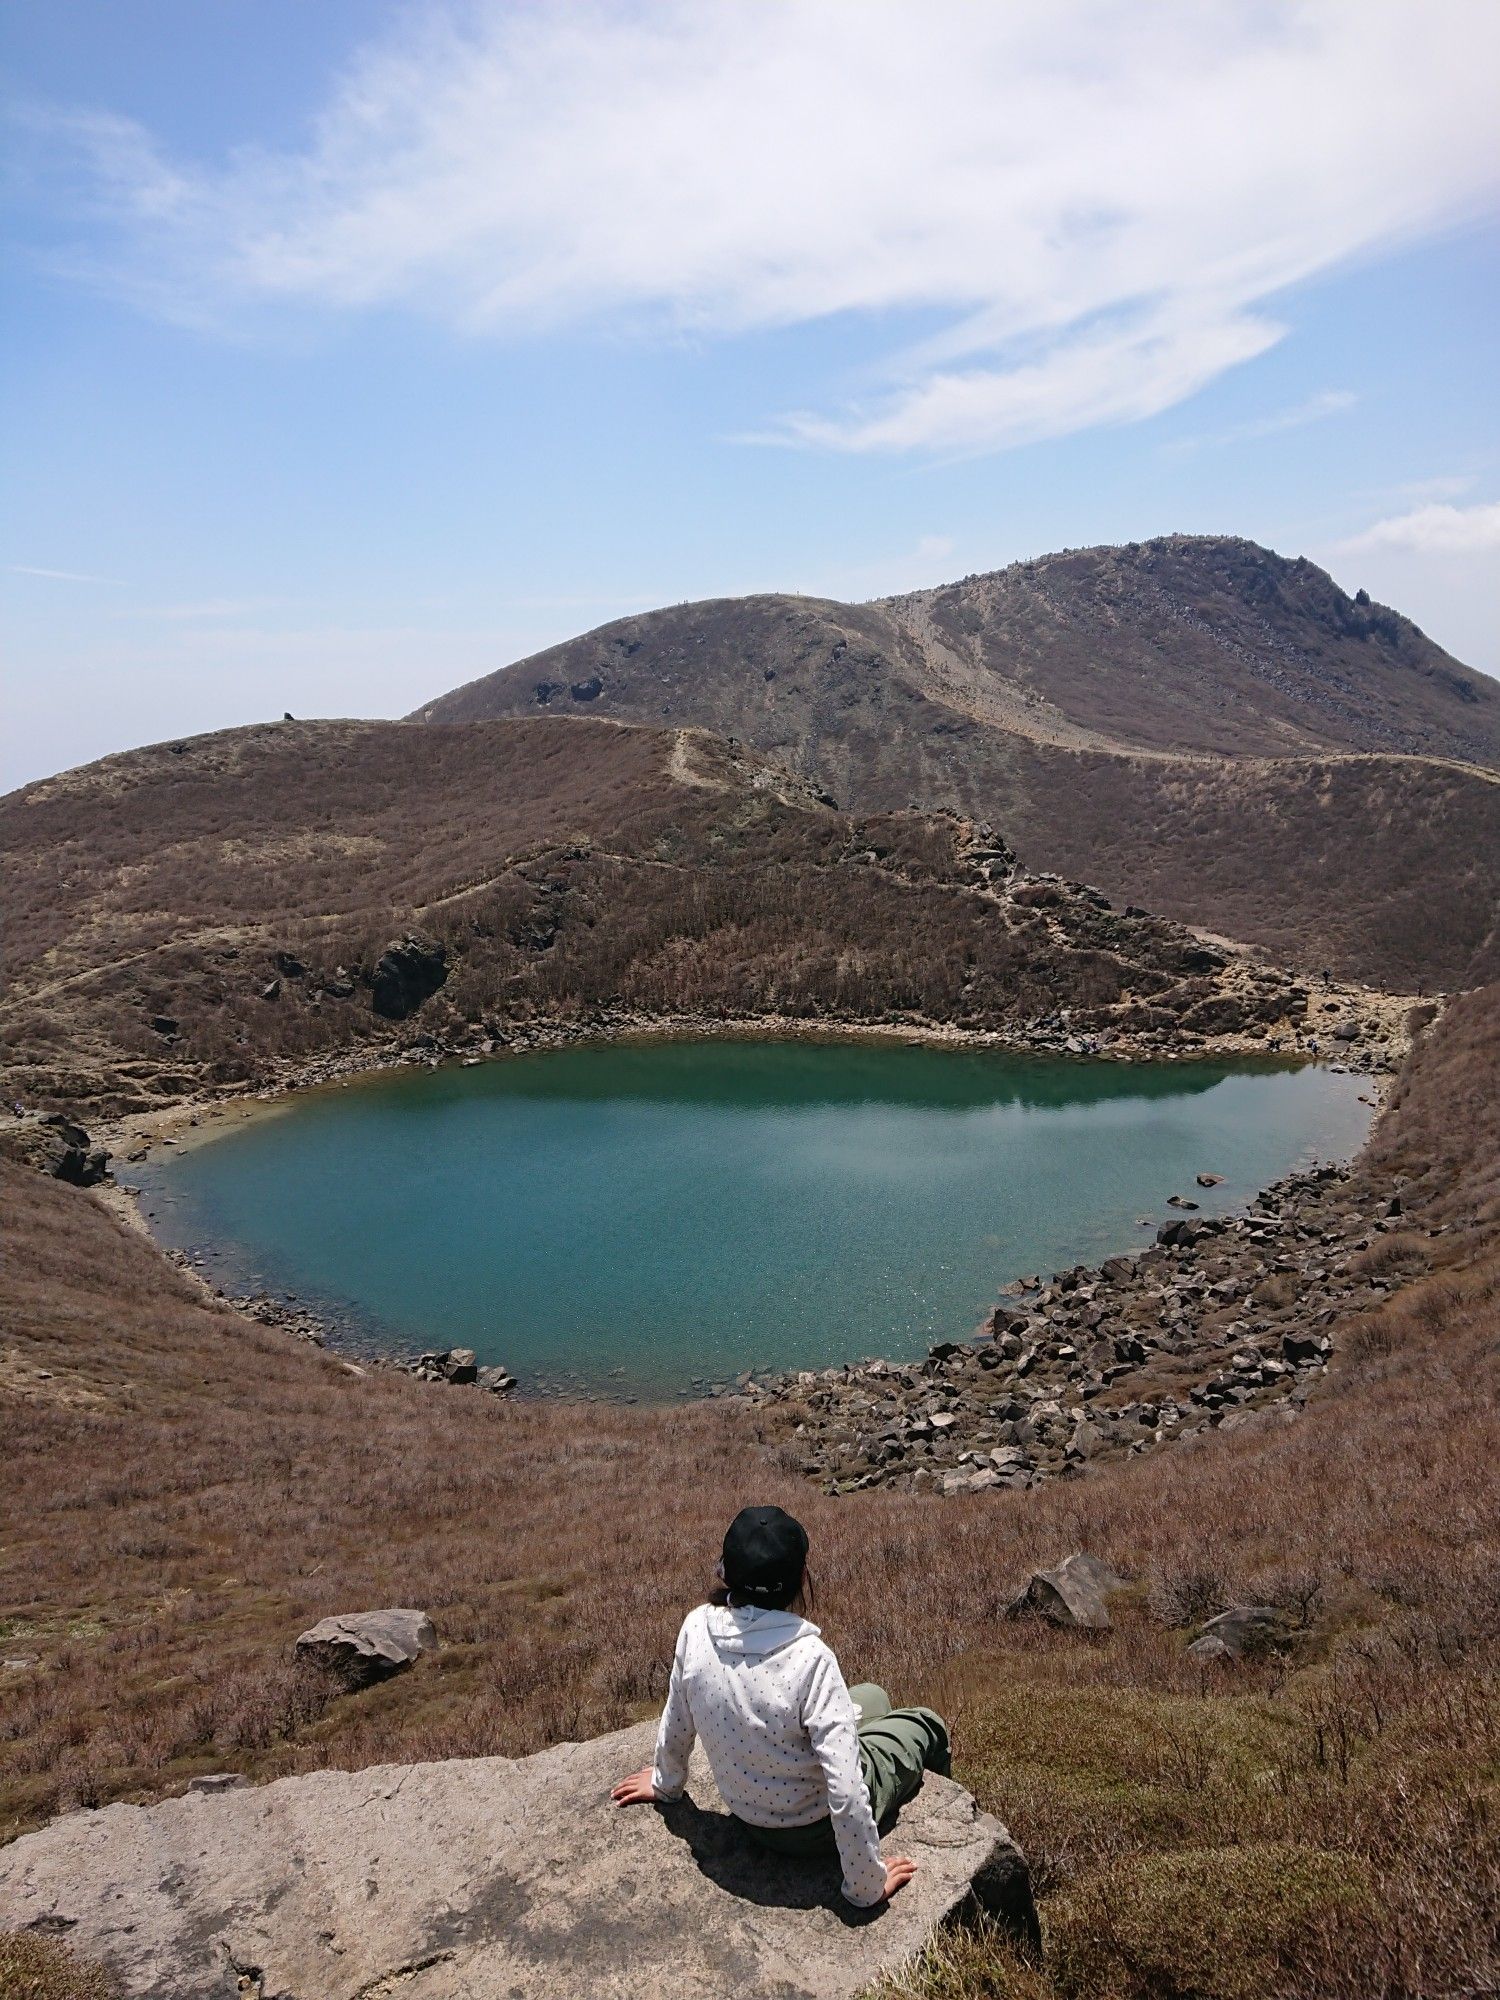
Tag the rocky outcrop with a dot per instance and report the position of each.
(1224, 1321)
(488, 1879)
(407, 972)
(359, 1647)
(54, 1145)
(461, 1367)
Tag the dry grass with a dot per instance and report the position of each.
(155, 901)
(35, 1967)
(185, 1493)
(1380, 868)
(1383, 865)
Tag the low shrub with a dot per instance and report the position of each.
(34, 1967)
(1203, 1924)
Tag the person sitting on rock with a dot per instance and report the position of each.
(807, 1765)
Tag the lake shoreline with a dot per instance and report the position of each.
(204, 1114)
(339, 1329)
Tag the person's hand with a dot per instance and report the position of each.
(638, 1790)
(898, 1872)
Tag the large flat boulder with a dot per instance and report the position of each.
(358, 1647)
(487, 1879)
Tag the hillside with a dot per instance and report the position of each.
(1210, 644)
(1194, 723)
(1318, 1822)
(193, 914)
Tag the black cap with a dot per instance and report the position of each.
(765, 1553)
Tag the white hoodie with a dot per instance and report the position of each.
(780, 1732)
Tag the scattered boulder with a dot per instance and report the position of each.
(1210, 1180)
(1300, 1349)
(1209, 1648)
(164, 1025)
(491, 1878)
(1073, 1594)
(459, 1366)
(407, 972)
(360, 1647)
(1182, 1233)
(1243, 1632)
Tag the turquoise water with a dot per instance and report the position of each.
(631, 1218)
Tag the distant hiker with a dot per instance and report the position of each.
(807, 1765)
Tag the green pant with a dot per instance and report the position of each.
(896, 1745)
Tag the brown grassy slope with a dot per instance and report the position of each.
(1211, 643)
(564, 867)
(1384, 867)
(1195, 643)
(1441, 1124)
(183, 1493)
(1387, 866)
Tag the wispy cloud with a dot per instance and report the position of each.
(55, 575)
(1435, 530)
(1102, 204)
(1331, 403)
(928, 561)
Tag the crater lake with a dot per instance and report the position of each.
(651, 1218)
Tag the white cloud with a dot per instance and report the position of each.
(55, 575)
(1435, 530)
(1330, 403)
(1096, 200)
(930, 560)
(1437, 562)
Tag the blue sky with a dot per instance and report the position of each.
(352, 351)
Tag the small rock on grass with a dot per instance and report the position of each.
(1243, 1632)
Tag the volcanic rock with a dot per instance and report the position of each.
(54, 1145)
(364, 1646)
(489, 1879)
(407, 972)
(1242, 1632)
(1074, 1594)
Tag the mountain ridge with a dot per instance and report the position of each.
(203, 914)
(1301, 771)
(1004, 646)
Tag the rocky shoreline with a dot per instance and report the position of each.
(1222, 1323)
(1354, 1028)
(458, 1366)
(988, 1412)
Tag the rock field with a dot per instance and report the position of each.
(1223, 1322)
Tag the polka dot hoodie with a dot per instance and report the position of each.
(779, 1730)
